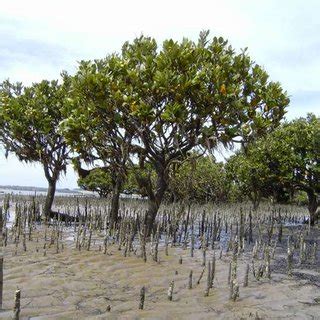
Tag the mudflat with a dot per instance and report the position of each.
(84, 284)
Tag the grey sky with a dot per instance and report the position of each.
(39, 39)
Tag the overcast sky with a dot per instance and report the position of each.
(39, 39)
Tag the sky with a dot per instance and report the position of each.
(39, 39)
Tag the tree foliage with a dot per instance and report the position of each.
(97, 181)
(29, 122)
(94, 126)
(148, 107)
(255, 176)
(200, 179)
(298, 160)
(166, 101)
(287, 159)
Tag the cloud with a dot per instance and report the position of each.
(306, 96)
(303, 102)
(30, 59)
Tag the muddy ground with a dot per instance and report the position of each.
(81, 285)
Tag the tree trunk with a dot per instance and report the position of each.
(114, 214)
(50, 196)
(312, 206)
(153, 207)
(155, 199)
(255, 199)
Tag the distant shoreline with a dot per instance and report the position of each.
(37, 189)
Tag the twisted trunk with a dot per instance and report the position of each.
(52, 176)
(50, 197)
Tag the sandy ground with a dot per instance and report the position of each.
(80, 285)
